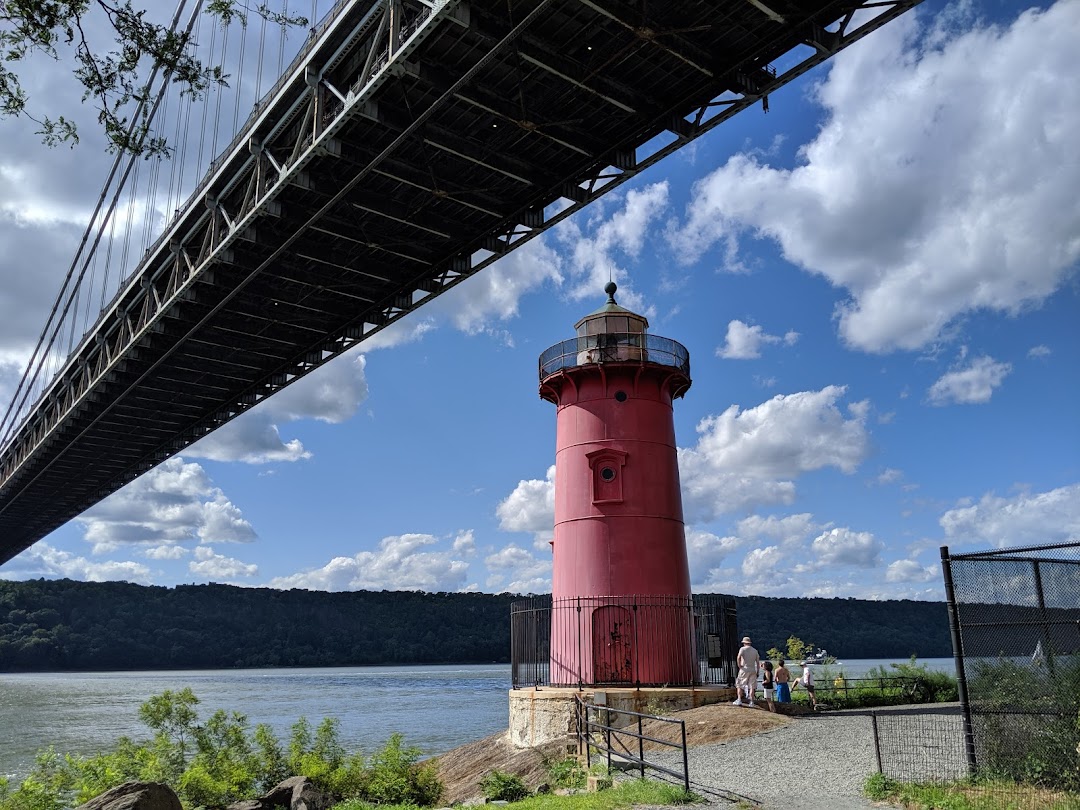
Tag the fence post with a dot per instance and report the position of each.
(877, 741)
(580, 660)
(640, 747)
(958, 656)
(685, 761)
(1048, 652)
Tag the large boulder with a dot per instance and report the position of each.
(135, 796)
(295, 793)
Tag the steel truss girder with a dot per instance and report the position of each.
(290, 140)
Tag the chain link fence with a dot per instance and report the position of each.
(1014, 617)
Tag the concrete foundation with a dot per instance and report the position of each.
(538, 716)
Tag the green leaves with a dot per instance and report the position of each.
(112, 81)
(221, 761)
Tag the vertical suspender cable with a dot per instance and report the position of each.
(30, 376)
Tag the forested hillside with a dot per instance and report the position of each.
(66, 625)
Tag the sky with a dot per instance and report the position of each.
(877, 283)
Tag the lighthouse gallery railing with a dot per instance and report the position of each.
(614, 347)
(708, 620)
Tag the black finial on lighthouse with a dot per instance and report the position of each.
(610, 289)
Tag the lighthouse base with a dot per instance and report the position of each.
(538, 716)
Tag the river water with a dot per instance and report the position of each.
(435, 707)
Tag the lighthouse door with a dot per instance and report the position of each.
(612, 653)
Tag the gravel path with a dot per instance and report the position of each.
(817, 762)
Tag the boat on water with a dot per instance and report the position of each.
(820, 657)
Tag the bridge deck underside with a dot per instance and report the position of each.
(478, 143)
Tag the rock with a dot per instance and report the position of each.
(135, 796)
(295, 793)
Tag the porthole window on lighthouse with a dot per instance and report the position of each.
(620, 396)
(608, 473)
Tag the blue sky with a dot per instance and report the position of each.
(876, 282)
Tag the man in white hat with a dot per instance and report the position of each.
(746, 680)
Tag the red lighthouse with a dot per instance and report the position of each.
(622, 611)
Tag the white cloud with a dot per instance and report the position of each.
(593, 260)
(910, 571)
(744, 342)
(705, 552)
(847, 547)
(165, 552)
(1039, 351)
(530, 508)
(1026, 519)
(331, 393)
(749, 458)
(973, 385)
(404, 562)
(218, 567)
(890, 475)
(787, 530)
(515, 570)
(173, 503)
(465, 543)
(43, 560)
(916, 196)
(761, 562)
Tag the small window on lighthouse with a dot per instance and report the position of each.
(607, 483)
(620, 396)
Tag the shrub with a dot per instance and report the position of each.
(567, 773)
(507, 787)
(397, 777)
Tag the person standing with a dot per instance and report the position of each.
(807, 680)
(767, 684)
(746, 681)
(783, 683)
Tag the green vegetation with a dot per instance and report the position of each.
(796, 650)
(1027, 721)
(898, 684)
(506, 787)
(567, 773)
(967, 795)
(66, 625)
(627, 793)
(214, 763)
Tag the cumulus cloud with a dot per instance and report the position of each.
(165, 552)
(219, 567)
(530, 508)
(846, 547)
(407, 562)
(916, 195)
(973, 385)
(43, 560)
(516, 570)
(744, 342)
(173, 503)
(1025, 519)
(705, 552)
(1039, 352)
(911, 571)
(593, 250)
(747, 458)
(761, 562)
(331, 393)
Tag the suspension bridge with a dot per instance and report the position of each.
(407, 145)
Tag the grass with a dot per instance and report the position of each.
(964, 795)
(625, 794)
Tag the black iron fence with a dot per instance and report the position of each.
(1015, 620)
(623, 640)
(618, 737)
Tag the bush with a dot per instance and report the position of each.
(506, 787)
(218, 762)
(567, 773)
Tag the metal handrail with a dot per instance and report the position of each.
(586, 727)
(614, 347)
